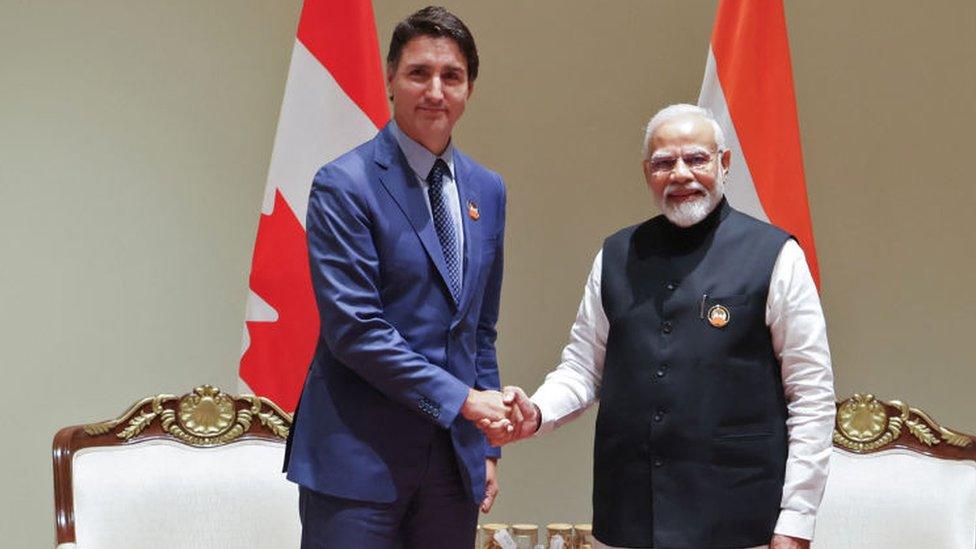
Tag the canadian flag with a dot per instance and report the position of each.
(334, 100)
(748, 85)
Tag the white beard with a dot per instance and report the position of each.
(691, 212)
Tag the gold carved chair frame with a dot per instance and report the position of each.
(866, 425)
(204, 417)
(207, 417)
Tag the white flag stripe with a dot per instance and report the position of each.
(738, 186)
(242, 386)
(318, 122)
(258, 309)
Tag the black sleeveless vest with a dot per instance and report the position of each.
(691, 444)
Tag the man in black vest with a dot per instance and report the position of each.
(701, 334)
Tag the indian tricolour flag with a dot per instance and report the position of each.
(748, 85)
(334, 100)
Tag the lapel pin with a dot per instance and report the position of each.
(473, 210)
(718, 316)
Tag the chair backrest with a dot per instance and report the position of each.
(198, 470)
(897, 479)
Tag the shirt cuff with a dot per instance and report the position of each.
(795, 524)
(547, 423)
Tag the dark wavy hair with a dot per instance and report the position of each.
(437, 22)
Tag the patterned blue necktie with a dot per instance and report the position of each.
(444, 225)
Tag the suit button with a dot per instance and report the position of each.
(662, 371)
(667, 327)
(671, 286)
(658, 462)
(658, 416)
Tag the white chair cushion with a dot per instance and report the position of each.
(164, 494)
(897, 499)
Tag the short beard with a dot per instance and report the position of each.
(690, 212)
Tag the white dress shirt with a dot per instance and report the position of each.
(421, 161)
(799, 337)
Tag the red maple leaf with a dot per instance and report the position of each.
(280, 351)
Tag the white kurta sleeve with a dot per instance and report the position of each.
(573, 386)
(796, 323)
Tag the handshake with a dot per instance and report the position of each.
(504, 417)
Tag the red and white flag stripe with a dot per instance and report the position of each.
(334, 100)
(748, 85)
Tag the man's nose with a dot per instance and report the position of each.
(681, 172)
(435, 89)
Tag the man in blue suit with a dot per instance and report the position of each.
(405, 239)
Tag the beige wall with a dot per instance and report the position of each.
(134, 143)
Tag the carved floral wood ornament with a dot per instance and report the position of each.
(203, 417)
(865, 424)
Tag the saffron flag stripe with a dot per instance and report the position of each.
(334, 100)
(752, 64)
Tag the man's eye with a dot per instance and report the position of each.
(696, 160)
(662, 165)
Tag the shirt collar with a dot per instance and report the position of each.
(418, 157)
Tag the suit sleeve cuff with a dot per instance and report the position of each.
(450, 407)
(493, 452)
(797, 525)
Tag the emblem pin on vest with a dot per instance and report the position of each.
(718, 316)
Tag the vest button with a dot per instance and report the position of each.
(671, 286)
(658, 462)
(667, 328)
(661, 371)
(658, 417)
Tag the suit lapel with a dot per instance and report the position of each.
(469, 195)
(400, 181)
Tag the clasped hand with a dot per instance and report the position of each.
(504, 417)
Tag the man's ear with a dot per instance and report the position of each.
(390, 71)
(726, 161)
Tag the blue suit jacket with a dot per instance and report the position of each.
(395, 356)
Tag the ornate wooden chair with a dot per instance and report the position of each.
(897, 479)
(198, 470)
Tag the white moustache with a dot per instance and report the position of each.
(691, 186)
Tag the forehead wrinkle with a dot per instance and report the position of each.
(433, 65)
(667, 152)
(684, 129)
